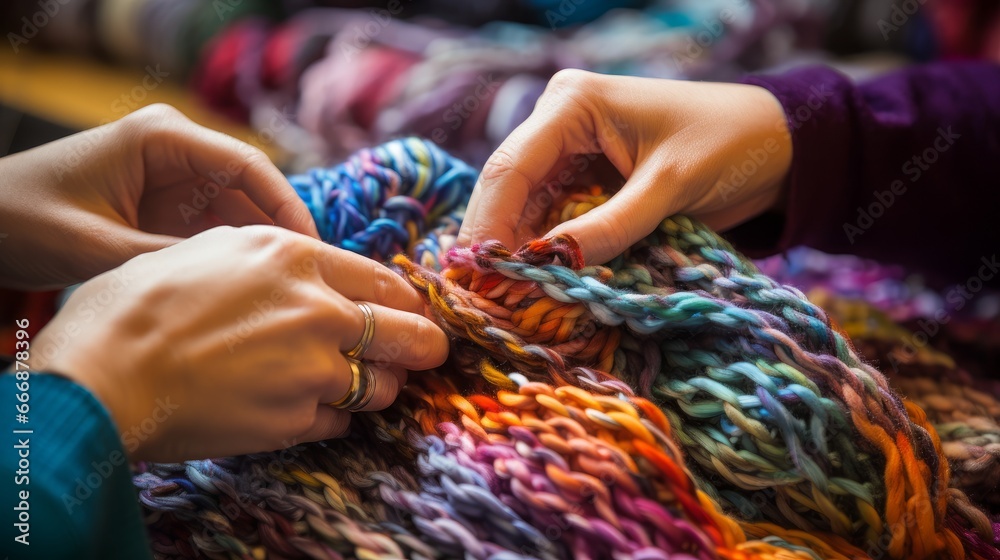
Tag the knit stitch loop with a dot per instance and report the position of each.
(674, 403)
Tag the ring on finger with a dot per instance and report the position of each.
(358, 352)
(362, 388)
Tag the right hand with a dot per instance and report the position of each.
(671, 144)
(236, 337)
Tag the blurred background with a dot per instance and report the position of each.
(312, 80)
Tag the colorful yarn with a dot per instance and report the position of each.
(964, 408)
(674, 403)
(358, 77)
(400, 197)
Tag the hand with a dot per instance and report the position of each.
(87, 203)
(231, 342)
(673, 144)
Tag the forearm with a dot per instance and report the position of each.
(892, 167)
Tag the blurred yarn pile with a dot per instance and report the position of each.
(353, 73)
(345, 74)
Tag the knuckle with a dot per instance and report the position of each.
(571, 92)
(158, 117)
(253, 157)
(302, 420)
(222, 232)
(283, 242)
(617, 235)
(570, 78)
(499, 165)
(162, 111)
(278, 250)
(423, 348)
(159, 123)
(384, 282)
(326, 314)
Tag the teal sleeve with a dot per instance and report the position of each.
(66, 488)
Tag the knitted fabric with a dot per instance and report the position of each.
(674, 403)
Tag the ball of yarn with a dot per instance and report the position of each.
(674, 403)
(400, 197)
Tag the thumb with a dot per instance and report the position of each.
(630, 215)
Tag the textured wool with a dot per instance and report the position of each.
(675, 403)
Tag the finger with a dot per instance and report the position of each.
(330, 423)
(571, 175)
(400, 338)
(464, 238)
(235, 208)
(631, 214)
(229, 163)
(158, 211)
(522, 162)
(388, 381)
(359, 278)
(264, 184)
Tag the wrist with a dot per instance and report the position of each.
(58, 356)
(776, 136)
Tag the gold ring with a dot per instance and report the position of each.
(362, 388)
(358, 352)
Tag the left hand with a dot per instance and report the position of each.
(238, 335)
(82, 205)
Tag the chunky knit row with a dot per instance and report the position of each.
(674, 403)
(964, 410)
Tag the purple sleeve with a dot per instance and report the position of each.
(902, 168)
